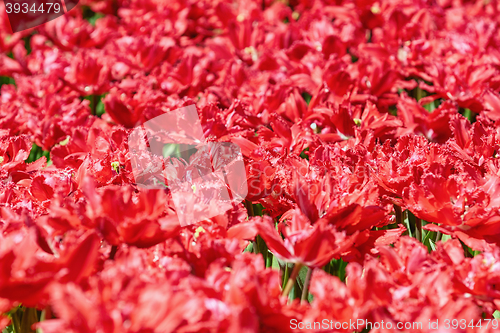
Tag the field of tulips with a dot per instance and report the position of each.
(370, 136)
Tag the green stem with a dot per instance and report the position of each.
(43, 316)
(94, 105)
(291, 280)
(249, 207)
(419, 93)
(16, 323)
(407, 216)
(285, 275)
(307, 282)
(418, 229)
(466, 250)
(113, 251)
(256, 248)
(399, 214)
(30, 317)
(269, 260)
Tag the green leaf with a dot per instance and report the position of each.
(27, 42)
(258, 210)
(342, 267)
(428, 239)
(430, 107)
(303, 154)
(432, 245)
(406, 218)
(296, 291)
(270, 259)
(8, 329)
(92, 20)
(249, 248)
(96, 105)
(445, 238)
(278, 263)
(100, 107)
(36, 153)
(261, 247)
(337, 268)
(6, 80)
(302, 275)
(171, 150)
(307, 97)
(469, 115)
